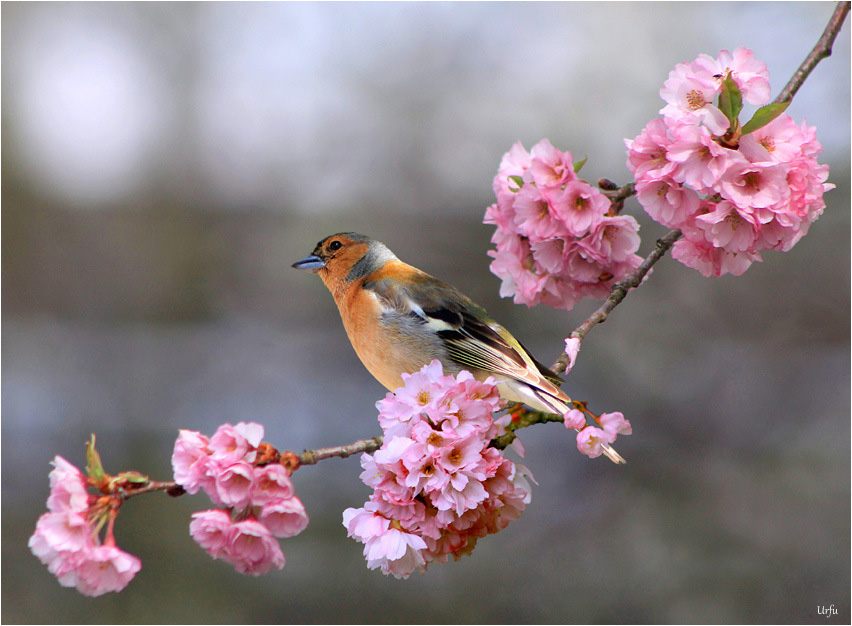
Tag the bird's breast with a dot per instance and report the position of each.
(387, 341)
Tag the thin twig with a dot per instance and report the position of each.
(312, 457)
(619, 291)
(170, 487)
(288, 459)
(821, 50)
(522, 419)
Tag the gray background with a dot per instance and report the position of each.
(164, 164)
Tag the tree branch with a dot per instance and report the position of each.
(289, 459)
(312, 457)
(619, 291)
(821, 50)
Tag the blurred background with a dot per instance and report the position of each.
(163, 164)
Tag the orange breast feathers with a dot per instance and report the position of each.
(379, 340)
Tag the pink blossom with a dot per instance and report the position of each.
(667, 202)
(614, 239)
(61, 563)
(440, 486)
(502, 215)
(463, 495)
(417, 396)
(751, 75)
(514, 163)
(473, 403)
(234, 485)
(252, 549)
(190, 461)
(712, 261)
(463, 455)
(68, 488)
(810, 146)
(590, 441)
(363, 524)
(425, 475)
(394, 551)
(690, 95)
(69, 547)
(648, 155)
(583, 262)
(756, 185)
(579, 206)
(700, 160)
(271, 482)
(235, 443)
(549, 254)
(106, 568)
(211, 530)
(539, 225)
(560, 291)
(284, 518)
(575, 419)
(572, 349)
(729, 227)
(65, 531)
(549, 168)
(398, 449)
(615, 424)
(519, 279)
(771, 185)
(782, 140)
(536, 215)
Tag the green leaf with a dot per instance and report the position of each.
(518, 181)
(94, 467)
(764, 115)
(133, 477)
(730, 100)
(578, 165)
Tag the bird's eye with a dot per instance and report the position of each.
(335, 245)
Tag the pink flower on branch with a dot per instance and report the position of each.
(67, 539)
(438, 485)
(590, 441)
(732, 189)
(232, 469)
(556, 238)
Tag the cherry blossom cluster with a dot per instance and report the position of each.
(258, 499)
(67, 537)
(438, 486)
(732, 190)
(592, 439)
(557, 240)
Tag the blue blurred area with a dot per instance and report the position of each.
(165, 163)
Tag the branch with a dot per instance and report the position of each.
(290, 460)
(821, 50)
(619, 291)
(616, 195)
(312, 457)
(521, 418)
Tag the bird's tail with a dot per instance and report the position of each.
(560, 406)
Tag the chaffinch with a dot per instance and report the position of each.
(399, 319)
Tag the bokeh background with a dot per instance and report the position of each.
(163, 164)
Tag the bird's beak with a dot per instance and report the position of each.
(311, 263)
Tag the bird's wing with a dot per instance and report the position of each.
(472, 338)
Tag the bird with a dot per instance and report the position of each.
(399, 318)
